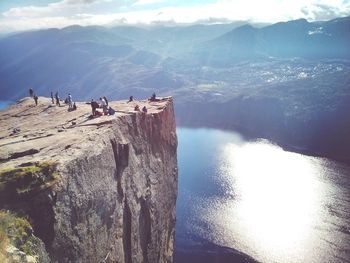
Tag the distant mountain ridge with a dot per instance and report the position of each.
(89, 60)
(297, 38)
(128, 59)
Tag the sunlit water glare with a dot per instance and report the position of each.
(274, 205)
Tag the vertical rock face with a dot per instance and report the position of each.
(116, 196)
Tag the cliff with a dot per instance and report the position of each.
(94, 189)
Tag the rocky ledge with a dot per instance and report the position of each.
(93, 189)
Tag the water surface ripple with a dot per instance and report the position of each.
(273, 205)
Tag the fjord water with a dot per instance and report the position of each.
(4, 104)
(273, 205)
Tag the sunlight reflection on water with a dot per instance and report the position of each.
(275, 196)
(270, 203)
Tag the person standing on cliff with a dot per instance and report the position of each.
(94, 106)
(35, 99)
(31, 92)
(105, 100)
(70, 102)
(104, 106)
(153, 98)
(52, 99)
(57, 99)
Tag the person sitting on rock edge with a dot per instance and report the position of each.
(131, 99)
(31, 92)
(111, 111)
(144, 109)
(137, 108)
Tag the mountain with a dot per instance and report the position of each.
(298, 38)
(122, 60)
(83, 59)
(117, 61)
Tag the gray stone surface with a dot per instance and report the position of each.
(115, 200)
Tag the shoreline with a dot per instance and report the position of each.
(285, 146)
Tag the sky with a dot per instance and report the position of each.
(19, 15)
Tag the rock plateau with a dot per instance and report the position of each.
(94, 189)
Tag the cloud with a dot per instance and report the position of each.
(62, 8)
(324, 11)
(148, 2)
(81, 2)
(107, 12)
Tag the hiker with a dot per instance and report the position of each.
(153, 98)
(137, 108)
(131, 98)
(53, 101)
(57, 99)
(111, 111)
(74, 106)
(36, 99)
(70, 102)
(104, 106)
(144, 109)
(105, 100)
(94, 106)
(31, 92)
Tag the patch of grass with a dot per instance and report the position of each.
(30, 246)
(16, 231)
(3, 243)
(19, 182)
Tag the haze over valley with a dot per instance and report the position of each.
(286, 81)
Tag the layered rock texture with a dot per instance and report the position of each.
(94, 189)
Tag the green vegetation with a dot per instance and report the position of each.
(23, 181)
(18, 232)
(16, 185)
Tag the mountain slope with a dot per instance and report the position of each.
(298, 38)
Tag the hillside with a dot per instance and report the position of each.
(298, 38)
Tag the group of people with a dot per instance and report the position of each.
(137, 107)
(69, 100)
(106, 109)
(55, 99)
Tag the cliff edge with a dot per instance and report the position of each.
(93, 189)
